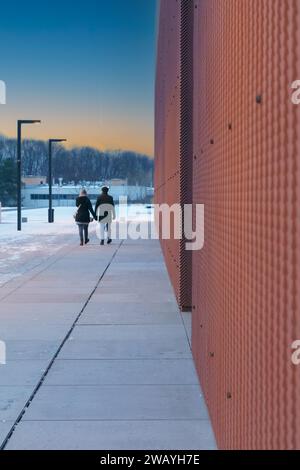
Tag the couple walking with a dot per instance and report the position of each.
(104, 213)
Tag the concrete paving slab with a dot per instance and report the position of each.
(123, 372)
(30, 350)
(138, 402)
(12, 401)
(5, 428)
(142, 293)
(52, 282)
(18, 373)
(25, 331)
(47, 298)
(19, 321)
(113, 435)
(127, 308)
(137, 298)
(113, 277)
(116, 333)
(55, 290)
(39, 310)
(106, 350)
(135, 317)
(126, 342)
(40, 316)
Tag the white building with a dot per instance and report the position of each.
(37, 196)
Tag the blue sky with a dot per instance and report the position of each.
(86, 68)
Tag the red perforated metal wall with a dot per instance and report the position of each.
(246, 279)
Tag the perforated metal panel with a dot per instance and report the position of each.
(173, 146)
(246, 170)
(186, 141)
(246, 279)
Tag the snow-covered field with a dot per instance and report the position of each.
(38, 240)
(22, 251)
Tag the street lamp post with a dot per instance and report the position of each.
(50, 211)
(19, 167)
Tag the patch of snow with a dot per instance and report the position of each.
(38, 240)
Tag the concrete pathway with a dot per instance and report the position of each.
(98, 356)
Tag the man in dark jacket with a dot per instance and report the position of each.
(105, 212)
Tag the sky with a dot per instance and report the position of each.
(85, 68)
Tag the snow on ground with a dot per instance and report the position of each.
(22, 251)
(38, 240)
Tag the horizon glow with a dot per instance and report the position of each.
(86, 69)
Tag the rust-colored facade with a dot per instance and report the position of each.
(246, 171)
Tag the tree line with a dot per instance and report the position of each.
(73, 165)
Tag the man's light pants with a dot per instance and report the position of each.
(102, 230)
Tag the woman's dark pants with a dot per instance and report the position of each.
(83, 232)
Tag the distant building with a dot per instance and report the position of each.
(37, 195)
(118, 182)
(34, 180)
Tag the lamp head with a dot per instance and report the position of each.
(29, 121)
(57, 140)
